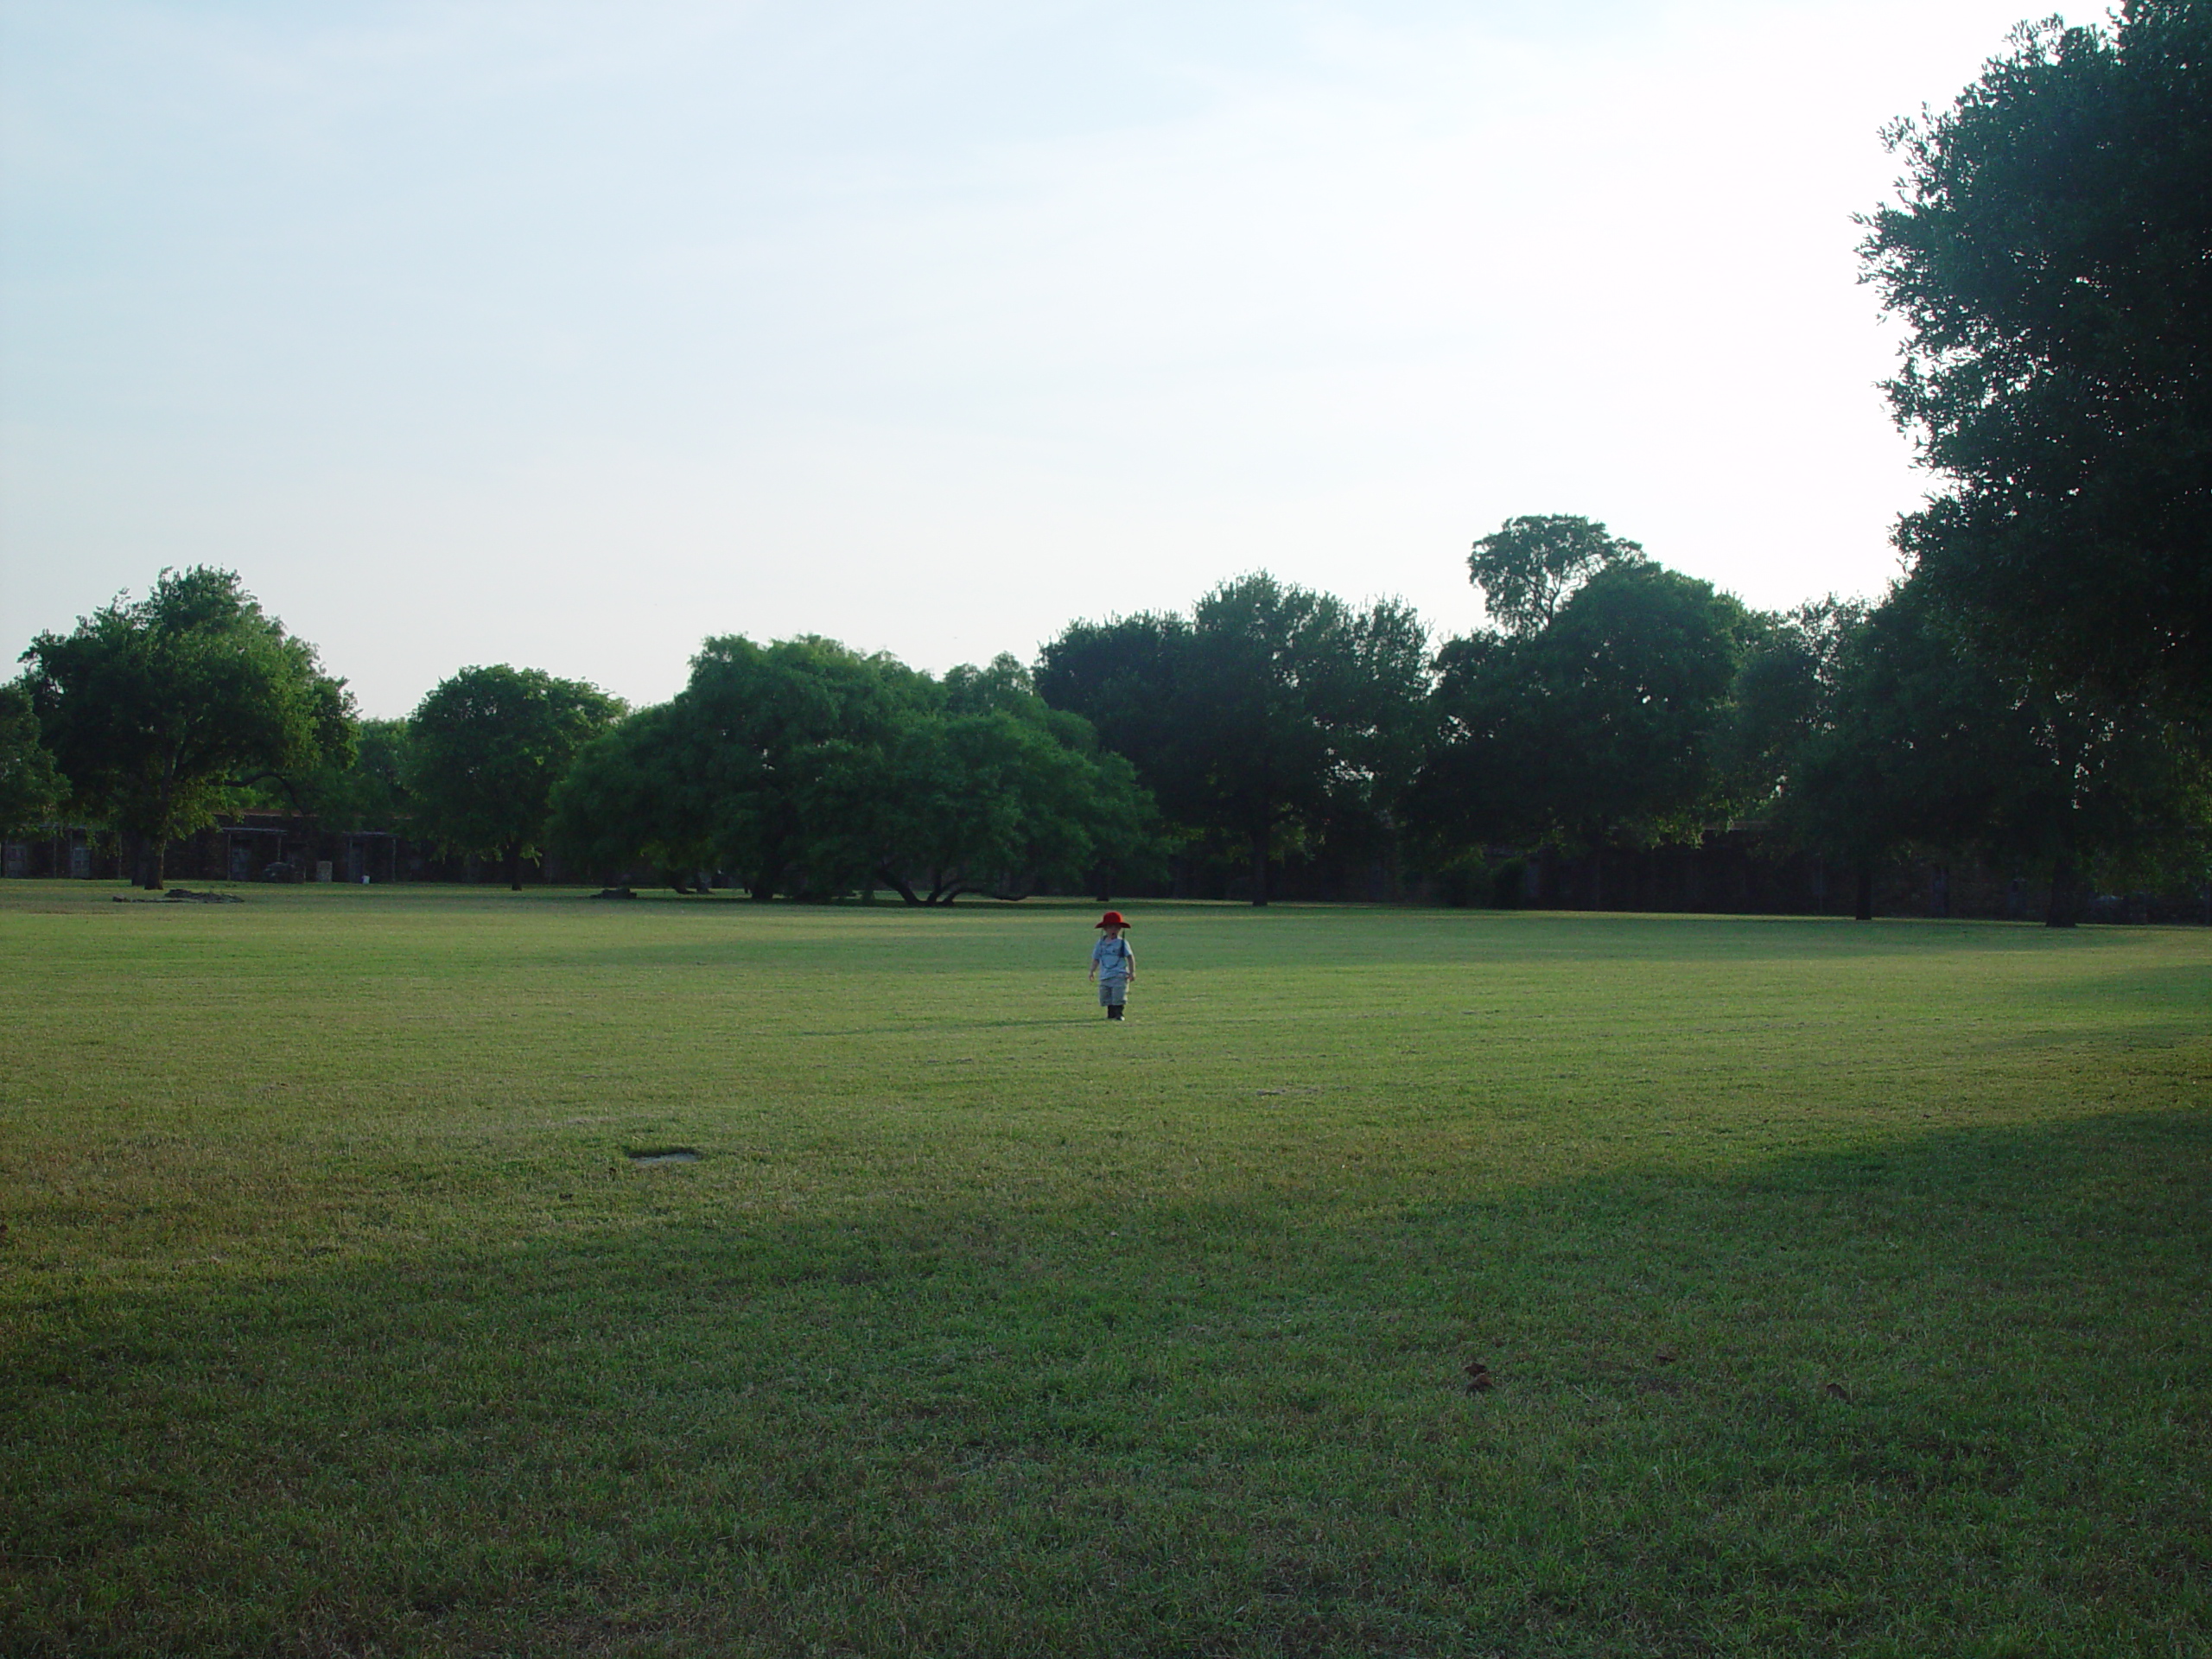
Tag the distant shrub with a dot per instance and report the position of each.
(1463, 883)
(1509, 884)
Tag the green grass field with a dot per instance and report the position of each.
(1844, 1287)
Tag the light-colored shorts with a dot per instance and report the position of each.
(1112, 993)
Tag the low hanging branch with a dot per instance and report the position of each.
(947, 885)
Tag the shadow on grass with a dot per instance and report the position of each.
(1947, 1396)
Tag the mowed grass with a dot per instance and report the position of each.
(1844, 1287)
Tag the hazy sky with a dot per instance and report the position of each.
(567, 334)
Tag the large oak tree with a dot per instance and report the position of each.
(483, 750)
(2051, 258)
(1610, 726)
(1271, 709)
(158, 709)
(813, 769)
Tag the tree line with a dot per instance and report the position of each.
(2034, 691)
(810, 769)
(1613, 705)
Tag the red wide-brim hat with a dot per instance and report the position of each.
(1112, 919)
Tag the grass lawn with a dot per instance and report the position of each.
(1845, 1286)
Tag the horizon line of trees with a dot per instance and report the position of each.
(1614, 706)
(2036, 692)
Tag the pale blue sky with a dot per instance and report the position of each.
(567, 334)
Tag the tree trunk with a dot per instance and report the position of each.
(514, 865)
(1863, 910)
(147, 860)
(1103, 883)
(1260, 867)
(1596, 877)
(2063, 911)
(157, 844)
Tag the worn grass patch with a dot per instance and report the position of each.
(1843, 1287)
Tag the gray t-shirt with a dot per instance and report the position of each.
(1112, 958)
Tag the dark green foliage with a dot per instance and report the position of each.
(363, 790)
(1462, 882)
(1529, 566)
(1785, 687)
(371, 793)
(1927, 740)
(788, 742)
(1912, 744)
(1126, 677)
(1609, 726)
(31, 788)
(996, 789)
(485, 749)
(809, 768)
(634, 796)
(1272, 711)
(156, 710)
(2051, 259)
(1509, 884)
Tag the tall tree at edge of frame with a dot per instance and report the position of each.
(2050, 258)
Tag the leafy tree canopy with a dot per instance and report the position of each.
(993, 798)
(1785, 686)
(157, 709)
(1926, 740)
(2050, 258)
(485, 749)
(1608, 726)
(363, 790)
(31, 788)
(1271, 709)
(1528, 566)
(813, 769)
(371, 791)
(1125, 676)
(778, 731)
(634, 794)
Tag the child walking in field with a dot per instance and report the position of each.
(1113, 964)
